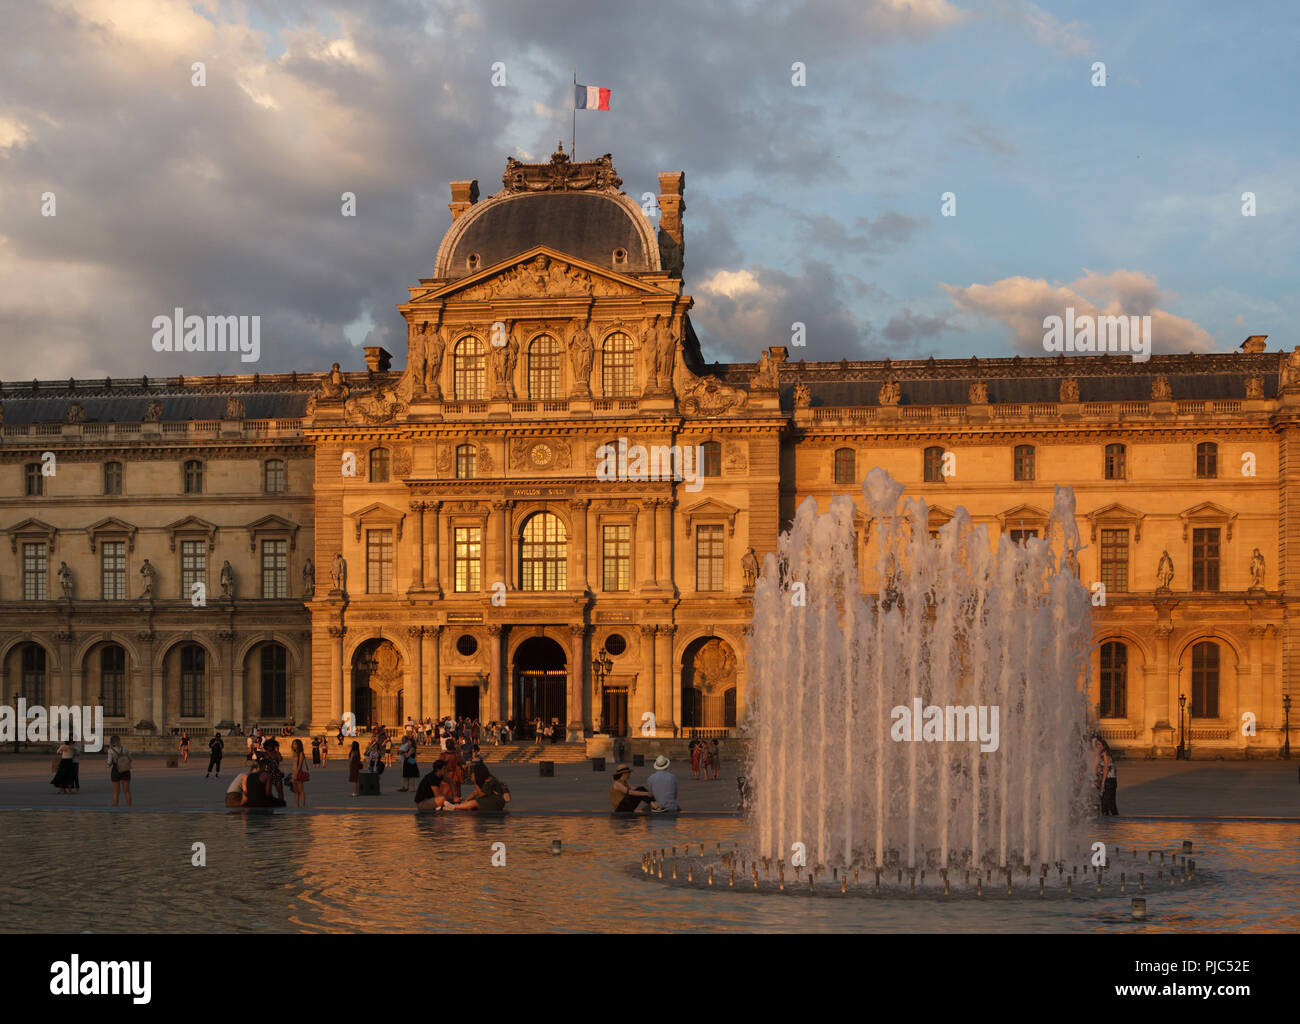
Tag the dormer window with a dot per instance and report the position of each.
(472, 262)
(620, 257)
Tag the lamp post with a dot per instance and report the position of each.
(601, 664)
(1182, 730)
(1286, 726)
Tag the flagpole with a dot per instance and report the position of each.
(573, 150)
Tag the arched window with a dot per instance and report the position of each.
(379, 465)
(33, 669)
(275, 681)
(273, 476)
(711, 459)
(112, 680)
(844, 465)
(112, 478)
(194, 666)
(468, 371)
(193, 477)
(1114, 679)
(1207, 460)
(618, 366)
(543, 554)
(1024, 462)
(1205, 680)
(934, 464)
(466, 461)
(544, 368)
(1115, 462)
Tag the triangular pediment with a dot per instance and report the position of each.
(1023, 514)
(272, 522)
(193, 524)
(31, 527)
(112, 526)
(710, 508)
(541, 272)
(1116, 511)
(1208, 511)
(379, 514)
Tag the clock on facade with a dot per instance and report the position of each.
(541, 455)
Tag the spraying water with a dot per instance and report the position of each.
(929, 710)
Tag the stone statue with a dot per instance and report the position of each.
(76, 412)
(339, 574)
(504, 358)
(979, 393)
(581, 353)
(435, 347)
(1160, 390)
(1256, 571)
(65, 580)
(1254, 387)
(1164, 571)
(309, 579)
(153, 414)
(890, 392)
(665, 353)
(234, 408)
(148, 573)
(415, 358)
(765, 379)
(1069, 391)
(749, 566)
(802, 396)
(334, 386)
(228, 575)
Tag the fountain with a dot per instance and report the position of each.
(929, 711)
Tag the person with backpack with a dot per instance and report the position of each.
(119, 768)
(215, 747)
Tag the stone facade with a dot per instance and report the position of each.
(471, 551)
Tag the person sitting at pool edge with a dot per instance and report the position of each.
(623, 799)
(490, 793)
(663, 784)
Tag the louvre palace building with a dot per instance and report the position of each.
(438, 538)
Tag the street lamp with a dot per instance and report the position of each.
(1182, 731)
(1286, 726)
(601, 664)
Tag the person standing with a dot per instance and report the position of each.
(354, 766)
(410, 767)
(76, 765)
(1107, 778)
(185, 747)
(324, 750)
(216, 747)
(300, 774)
(663, 784)
(315, 751)
(119, 768)
(62, 780)
(715, 757)
(695, 759)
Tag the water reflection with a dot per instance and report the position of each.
(90, 871)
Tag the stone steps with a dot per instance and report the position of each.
(560, 753)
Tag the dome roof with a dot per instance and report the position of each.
(576, 209)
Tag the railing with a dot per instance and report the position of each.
(175, 428)
(126, 428)
(692, 732)
(94, 429)
(1189, 407)
(1135, 408)
(203, 428)
(256, 428)
(1226, 405)
(47, 429)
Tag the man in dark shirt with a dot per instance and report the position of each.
(216, 746)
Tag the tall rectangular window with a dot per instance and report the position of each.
(1116, 459)
(616, 557)
(1022, 537)
(35, 572)
(193, 674)
(468, 558)
(1024, 462)
(1114, 560)
(275, 568)
(194, 566)
(275, 681)
(34, 479)
(1205, 559)
(33, 667)
(1114, 680)
(708, 558)
(112, 478)
(112, 681)
(379, 561)
(112, 564)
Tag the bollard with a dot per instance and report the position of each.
(1069, 883)
(1187, 846)
(1193, 868)
(1042, 885)
(810, 882)
(1142, 882)
(755, 876)
(556, 847)
(877, 879)
(1139, 908)
(945, 886)
(979, 886)
(710, 876)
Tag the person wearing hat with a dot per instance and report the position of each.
(663, 785)
(623, 799)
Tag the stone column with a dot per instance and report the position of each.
(335, 690)
(648, 660)
(435, 539)
(227, 637)
(342, 692)
(666, 688)
(433, 681)
(503, 543)
(664, 544)
(151, 710)
(578, 506)
(417, 563)
(578, 718)
(651, 577)
(414, 700)
(1250, 689)
(496, 634)
(65, 695)
(1162, 703)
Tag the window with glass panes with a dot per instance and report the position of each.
(544, 368)
(1116, 457)
(466, 461)
(112, 570)
(274, 477)
(1024, 462)
(275, 681)
(193, 676)
(112, 478)
(1207, 459)
(35, 480)
(112, 681)
(193, 477)
(35, 572)
(708, 558)
(1114, 680)
(379, 561)
(194, 566)
(616, 556)
(543, 555)
(467, 542)
(379, 465)
(1205, 558)
(933, 464)
(1020, 536)
(275, 568)
(710, 459)
(1205, 680)
(468, 370)
(844, 465)
(618, 366)
(1114, 560)
(33, 669)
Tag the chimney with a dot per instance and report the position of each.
(672, 204)
(464, 194)
(1255, 343)
(377, 359)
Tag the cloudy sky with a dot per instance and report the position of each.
(818, 203)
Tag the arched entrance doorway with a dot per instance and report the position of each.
(541, 682)
(377, 673)
(708, 688)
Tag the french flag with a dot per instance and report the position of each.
(590, 97)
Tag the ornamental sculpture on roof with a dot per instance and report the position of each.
(561, 175)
